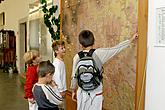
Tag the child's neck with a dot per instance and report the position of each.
(34, 63)
(59, 57)
(87, 48)
(41, 81)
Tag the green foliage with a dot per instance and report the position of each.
(42, 1)
(51, 20)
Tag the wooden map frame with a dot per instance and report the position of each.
(141, 54)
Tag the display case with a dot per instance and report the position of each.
(7, 50)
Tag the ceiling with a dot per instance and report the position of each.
(1, 1)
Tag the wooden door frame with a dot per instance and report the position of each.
(141, 54)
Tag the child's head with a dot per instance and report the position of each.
(58, 48)
(46, 70)
(32, 57)
(86, 38)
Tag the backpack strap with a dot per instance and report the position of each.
(82, 54)
(91, 52)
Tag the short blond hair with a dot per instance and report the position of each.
(30, 55)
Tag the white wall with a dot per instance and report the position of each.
(14, 11)
(155, 76)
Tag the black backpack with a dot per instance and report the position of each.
(88, 74)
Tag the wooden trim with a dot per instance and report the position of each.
(141, 54)
(70, 105)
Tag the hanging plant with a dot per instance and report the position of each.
(51, 22)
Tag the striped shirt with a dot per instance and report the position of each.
(47, 96)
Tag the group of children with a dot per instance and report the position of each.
(45, 84)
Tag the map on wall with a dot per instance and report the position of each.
(111, 21)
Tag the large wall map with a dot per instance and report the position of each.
(112, 21)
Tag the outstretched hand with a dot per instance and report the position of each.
(134, 37)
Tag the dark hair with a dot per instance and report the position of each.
(45, 67)
(86, 38)
(56, 44)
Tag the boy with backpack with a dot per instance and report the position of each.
(87, 71)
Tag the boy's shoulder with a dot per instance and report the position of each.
(57, 61)
(77, 55)
(37, 87)
(31, 67)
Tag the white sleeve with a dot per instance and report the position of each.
(57, 78)
(105, 54)
(52, 94)
(74, 80)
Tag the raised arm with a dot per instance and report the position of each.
(105, 54)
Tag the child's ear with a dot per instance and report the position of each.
(56, 51)
(48, 74)
(81, 46)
